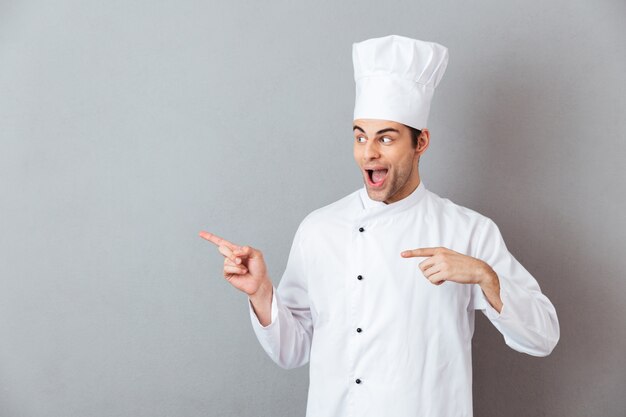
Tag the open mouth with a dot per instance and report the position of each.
(376, 177)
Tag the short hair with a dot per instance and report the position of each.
(414, 135)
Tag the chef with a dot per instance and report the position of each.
(381, 287)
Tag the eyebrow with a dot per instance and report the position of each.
(389, 129)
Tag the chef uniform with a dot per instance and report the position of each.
(380, 338)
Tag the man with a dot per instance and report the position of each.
(381, 286)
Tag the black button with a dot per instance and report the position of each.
(361, 229)
(358, 381)
(358, 330)
(360, 277)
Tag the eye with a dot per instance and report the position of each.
(389, 140)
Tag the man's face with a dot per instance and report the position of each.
(388, 161)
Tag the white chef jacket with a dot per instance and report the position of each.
(381, 339)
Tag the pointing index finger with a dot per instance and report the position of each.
(420, 252)
(217, 240)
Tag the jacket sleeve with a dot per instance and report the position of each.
(527, 320)
(287, 339)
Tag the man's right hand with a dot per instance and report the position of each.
(245, 269)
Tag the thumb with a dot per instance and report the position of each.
(247, 251)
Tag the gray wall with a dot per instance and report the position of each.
(125, 129)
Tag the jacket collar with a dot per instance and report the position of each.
(379, 207)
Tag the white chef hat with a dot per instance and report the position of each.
(396, 77)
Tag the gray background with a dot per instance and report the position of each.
(127, 128)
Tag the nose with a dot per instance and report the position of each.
(371, 150)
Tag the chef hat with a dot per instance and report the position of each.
(396, 77)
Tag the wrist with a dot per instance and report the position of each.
(487, 276)
(490, 286)
(263, 292)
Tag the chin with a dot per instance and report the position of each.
(378, 195)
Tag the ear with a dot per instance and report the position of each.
(423, 140)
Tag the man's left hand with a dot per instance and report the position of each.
(444, 264)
